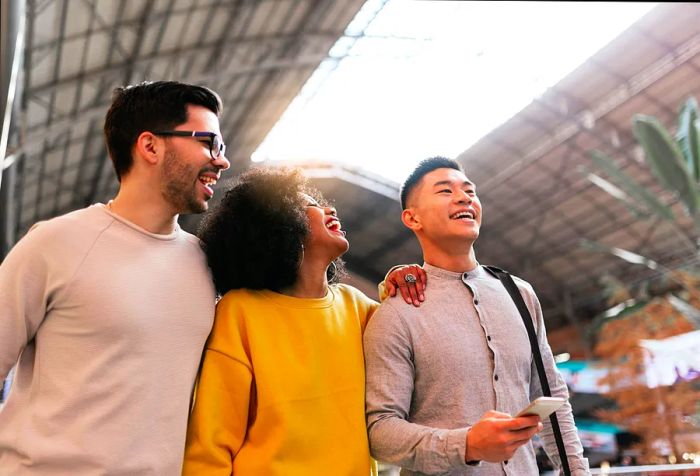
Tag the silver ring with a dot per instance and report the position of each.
(409, 278)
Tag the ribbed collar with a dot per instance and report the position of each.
(300, 303)
(170, 236)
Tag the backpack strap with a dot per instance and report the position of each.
(507, 281)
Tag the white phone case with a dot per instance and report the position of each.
(542, 407)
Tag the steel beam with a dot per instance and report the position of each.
(355, 176)
(156, 47)
(8, 217)
(58, 60)
(315, 12)
(173, 53)
(614, 99)
(12, 22)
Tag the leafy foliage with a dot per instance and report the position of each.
(674, 161)
(663, 415)
(660, 416)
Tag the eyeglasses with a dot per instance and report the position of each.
(216, 145)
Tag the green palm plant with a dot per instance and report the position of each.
(688, 137)
(673, 160)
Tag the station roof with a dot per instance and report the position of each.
(532, 176)
(530, 172)
(256, 54)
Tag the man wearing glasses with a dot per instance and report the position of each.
(108, 308)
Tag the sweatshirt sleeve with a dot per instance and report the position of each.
(574, 450)
(219, 419)
(25, 288)
(381, 287)
(389, 386)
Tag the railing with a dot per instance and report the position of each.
(652, 470)
(649, 470)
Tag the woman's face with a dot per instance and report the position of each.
(326, 238)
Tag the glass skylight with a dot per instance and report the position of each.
(414, 79)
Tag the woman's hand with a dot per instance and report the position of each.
(410, 280)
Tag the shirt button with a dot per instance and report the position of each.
(476, 302)
(488, 338)
(505, 462)
(495, 377)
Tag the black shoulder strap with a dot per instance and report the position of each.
(514, 292)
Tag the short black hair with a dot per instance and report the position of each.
(423, 168)
(253, 238)
(149, 106)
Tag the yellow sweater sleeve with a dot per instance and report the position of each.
(219, 419)
(381, 287)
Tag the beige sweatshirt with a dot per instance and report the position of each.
(108, 322)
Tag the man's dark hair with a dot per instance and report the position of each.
(149, 106)
(423, 168)
(253, 238)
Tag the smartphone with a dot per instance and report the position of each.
(542, 407)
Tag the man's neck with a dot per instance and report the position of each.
(148, 212)
(458, 259)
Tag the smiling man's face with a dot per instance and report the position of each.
(446, 206)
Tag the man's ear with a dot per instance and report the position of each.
(410, 219)
(149, 147)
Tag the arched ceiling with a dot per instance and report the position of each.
(531, 176)
(258, 54)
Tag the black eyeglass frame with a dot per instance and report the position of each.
(212, 136)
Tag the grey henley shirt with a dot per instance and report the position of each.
(433, 371)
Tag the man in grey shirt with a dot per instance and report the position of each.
(444, 379)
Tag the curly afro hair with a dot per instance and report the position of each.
(253, 238)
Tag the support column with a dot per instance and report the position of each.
(12, 26)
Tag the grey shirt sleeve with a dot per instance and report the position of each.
(24, 281)
(389, 385)
(574, 450)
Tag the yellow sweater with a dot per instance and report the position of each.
(282, 387)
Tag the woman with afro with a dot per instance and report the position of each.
(281, 388)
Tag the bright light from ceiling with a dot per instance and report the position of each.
(431, 78)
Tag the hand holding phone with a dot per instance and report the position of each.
(542, 407)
